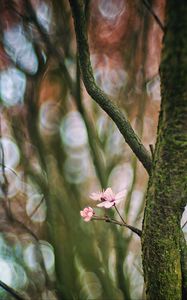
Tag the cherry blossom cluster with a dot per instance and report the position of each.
(107, 200)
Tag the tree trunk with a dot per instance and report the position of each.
(167, 188)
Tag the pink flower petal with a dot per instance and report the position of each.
(109, 193)
(96, 196)
(108, 196)
(87, 219)
(82, 213)
(106, 204)
(108, 199)
(89, 209)
(90, 214)
(118, 201)
(121, 194)
(87, 213)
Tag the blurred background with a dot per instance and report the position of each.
(57, 146)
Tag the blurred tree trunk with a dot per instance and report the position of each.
(167, 189)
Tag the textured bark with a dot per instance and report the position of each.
(167, 189)
(77, 7)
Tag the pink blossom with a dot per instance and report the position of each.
(108, 197)
(87, 213)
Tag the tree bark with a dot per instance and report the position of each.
(167, 188)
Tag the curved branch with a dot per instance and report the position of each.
(149, 8)
(97, 159)
(97, 94)
(11, 291)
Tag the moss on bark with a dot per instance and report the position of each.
(167, 189)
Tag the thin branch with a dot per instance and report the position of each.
(10, 169)
(149, 8)
(184, 224)
(97, 94)
(32, 18)
(113, 221)
(11, 291)
(36, 208)
(5, 183)
(134, 229)
(120, 215)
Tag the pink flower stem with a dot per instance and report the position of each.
(132, 228)
(113, 221)
(119, 215)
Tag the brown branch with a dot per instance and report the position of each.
(95, 150)
(97, 94)
(11, 291)
(113, 221)
(36, 208)
(184, 224)
(4, 185)
(149, 8)
(58, 55)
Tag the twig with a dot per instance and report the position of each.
(97, 94)
(120, 215)
(49, 45)
(10, 169)
(113, 221)
(184, 224)
(4, 185)
(36, 208)
(11, 291)
(149, 8)
(134, 229)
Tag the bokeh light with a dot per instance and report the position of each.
(77, 168)
(19, 276)
(20, 49)
(48, 256)
(9, 178)
(36, 208)
(153, 88)
(11, 272)
(184, 221)
(73, 131)
(12, 86)
(109, 75)
(9, 153)
(111, 9)
(30, 257)
(44, 14)
(49, 117)
(135, 204)
(6, 272)
(124, 173)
